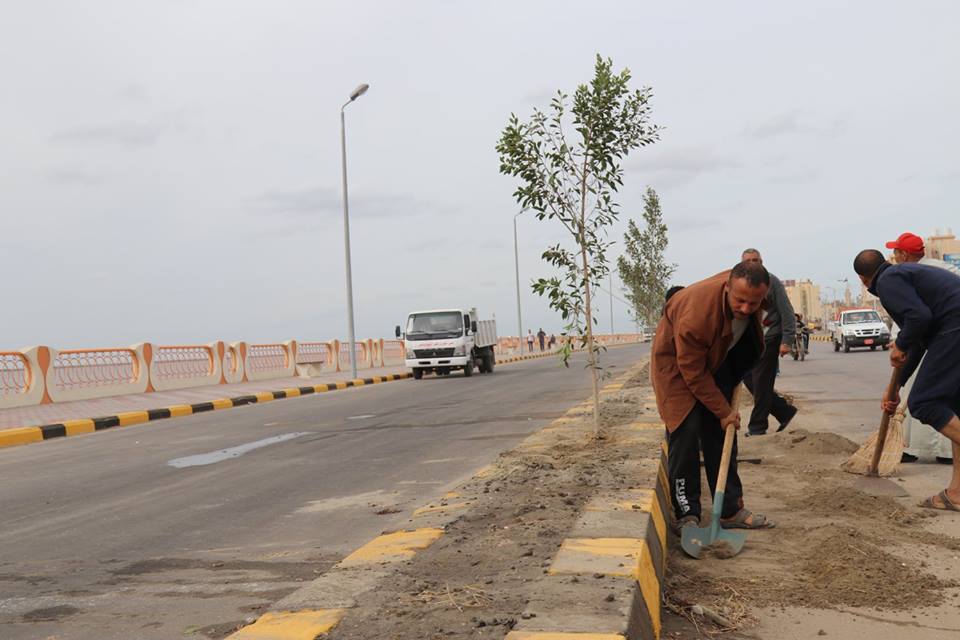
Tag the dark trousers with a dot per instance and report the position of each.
(700, 431)
(935, 397)
(766, 401)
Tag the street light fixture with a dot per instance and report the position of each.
(356, 93)
(516, 267)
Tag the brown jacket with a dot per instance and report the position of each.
(690, 345)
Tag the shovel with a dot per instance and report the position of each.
(728, 543)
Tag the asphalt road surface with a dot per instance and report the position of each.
(185, 527)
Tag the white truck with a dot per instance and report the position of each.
(860, 328)
(445, 340)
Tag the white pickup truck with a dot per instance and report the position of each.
(860, 328)
(445, 340)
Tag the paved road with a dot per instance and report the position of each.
(122, 534)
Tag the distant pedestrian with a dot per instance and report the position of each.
(530, 340)
(552, 342)
(542, 337)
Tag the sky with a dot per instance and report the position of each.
(170, 171)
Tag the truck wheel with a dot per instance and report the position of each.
(468, 369)
(873, 347)
(836, 346)
(846, 347)
(482, 364)
(491, 360)
(417, 373)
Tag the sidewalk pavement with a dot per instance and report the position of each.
(81, 409)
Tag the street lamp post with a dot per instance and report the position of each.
(359, 91)
(516, 267)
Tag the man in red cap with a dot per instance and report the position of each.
(919, 442)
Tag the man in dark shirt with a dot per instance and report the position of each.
(924, 301)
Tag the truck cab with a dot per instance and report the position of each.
(444, 340)
(860, 328)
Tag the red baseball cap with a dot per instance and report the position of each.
(907, 242)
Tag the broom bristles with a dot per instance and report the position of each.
(860, 461)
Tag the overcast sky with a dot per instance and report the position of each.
(170, 171)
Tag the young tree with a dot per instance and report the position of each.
(643, 269)
(574, 182)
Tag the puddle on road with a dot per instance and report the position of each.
(232, 452)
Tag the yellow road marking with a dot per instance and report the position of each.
(133, 417)
(222, 403)
(292, 392)
(264, 396)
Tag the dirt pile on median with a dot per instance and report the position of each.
(819, 442)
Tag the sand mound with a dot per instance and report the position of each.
(819, 442)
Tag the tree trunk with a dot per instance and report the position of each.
(591, 356)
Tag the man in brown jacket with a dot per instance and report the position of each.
(709, 338)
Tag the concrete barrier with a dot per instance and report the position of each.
(41, 374)
(184, 366)
(82, 374)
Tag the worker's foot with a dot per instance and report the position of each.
(943, 460)
(756, 433)
(941, 501)
(746, 519)
(685, 521)
(907, 458)
(791, 413)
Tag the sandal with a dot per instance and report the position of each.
(740, 521)
(945, 503)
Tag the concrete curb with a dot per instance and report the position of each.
(15, 436)
(605, 582)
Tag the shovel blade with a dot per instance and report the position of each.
(728, 543)
(880, 487)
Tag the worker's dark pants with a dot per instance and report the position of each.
(935, 397)
(766, 401)
(541, 344)
(700, 430)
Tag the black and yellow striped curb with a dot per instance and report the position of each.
(821, 338)
(26, 435)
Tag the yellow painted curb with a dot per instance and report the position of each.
(23, 435)
(391, 547)
(554, 635)
(290, 625)
(222, 403)
(76, 427)
(133, 417)
(179, 410)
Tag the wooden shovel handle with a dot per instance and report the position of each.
(873, 470)
(728, 444)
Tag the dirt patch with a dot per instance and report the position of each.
(639, 379)
(820, 442)
(835, 547)
(50, 614)
(284, 571)
(476, 580)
